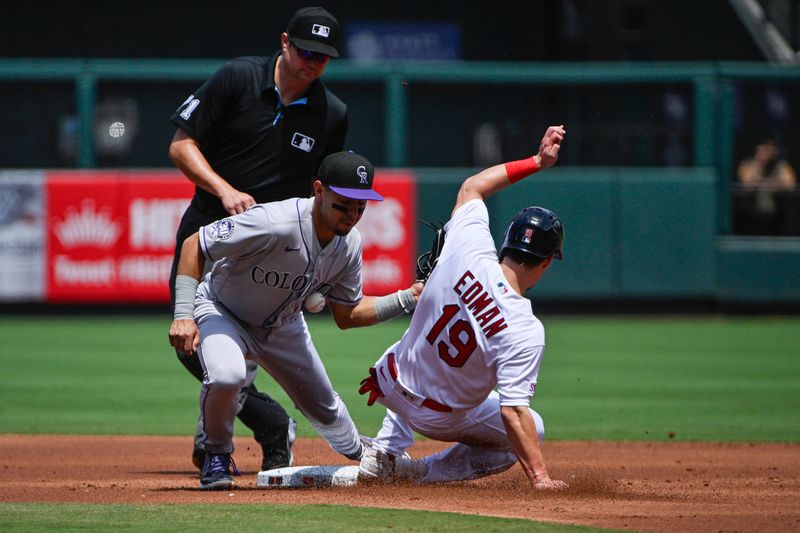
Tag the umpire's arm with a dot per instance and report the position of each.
(185, 153)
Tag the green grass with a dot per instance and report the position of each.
(617, 378)
(703, 378)
(311, 518)
(699, 378)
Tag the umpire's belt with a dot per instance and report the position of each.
(412, 398)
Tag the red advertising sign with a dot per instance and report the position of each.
(155, 204)
(388, 231)
(111, 235)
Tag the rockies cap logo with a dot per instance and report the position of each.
(362, 173)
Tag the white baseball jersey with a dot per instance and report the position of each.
(268, 259)
(471, 331)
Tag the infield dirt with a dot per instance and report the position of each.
(655, 486)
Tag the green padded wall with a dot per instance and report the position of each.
(667, 232)
(758, 269)
(628, 232)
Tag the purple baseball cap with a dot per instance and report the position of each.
(349, 175)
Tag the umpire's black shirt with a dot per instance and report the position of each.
(255, 142)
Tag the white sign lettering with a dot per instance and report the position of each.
(153, 222)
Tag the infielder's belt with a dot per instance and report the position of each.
(370, 384)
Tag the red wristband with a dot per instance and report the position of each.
(523, 168)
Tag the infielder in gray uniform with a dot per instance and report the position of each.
(267, 260)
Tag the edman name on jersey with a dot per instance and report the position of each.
(477, 300)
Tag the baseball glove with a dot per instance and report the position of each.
(427, 261)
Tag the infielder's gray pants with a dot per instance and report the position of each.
(200, 432)
(287, 354)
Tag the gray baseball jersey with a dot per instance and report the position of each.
(268, 259)
(248, 307)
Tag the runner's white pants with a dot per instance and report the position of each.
(483, 446)
(287, 354)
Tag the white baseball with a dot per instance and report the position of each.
(315, 302)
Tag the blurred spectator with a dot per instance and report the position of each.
(767, 169)
(765, 195)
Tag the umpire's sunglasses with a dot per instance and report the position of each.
(308, 55)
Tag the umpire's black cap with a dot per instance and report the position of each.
(316, 30)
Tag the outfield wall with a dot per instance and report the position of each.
(636, 233)
(631, 234)
(108, 236)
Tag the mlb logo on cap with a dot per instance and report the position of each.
(322, 31)
(528, 235)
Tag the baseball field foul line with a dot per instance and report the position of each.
(308, 477)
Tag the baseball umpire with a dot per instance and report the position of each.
(269, 259)
(256, 132)
(472, 331)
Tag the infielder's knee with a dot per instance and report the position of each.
(228, 379)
